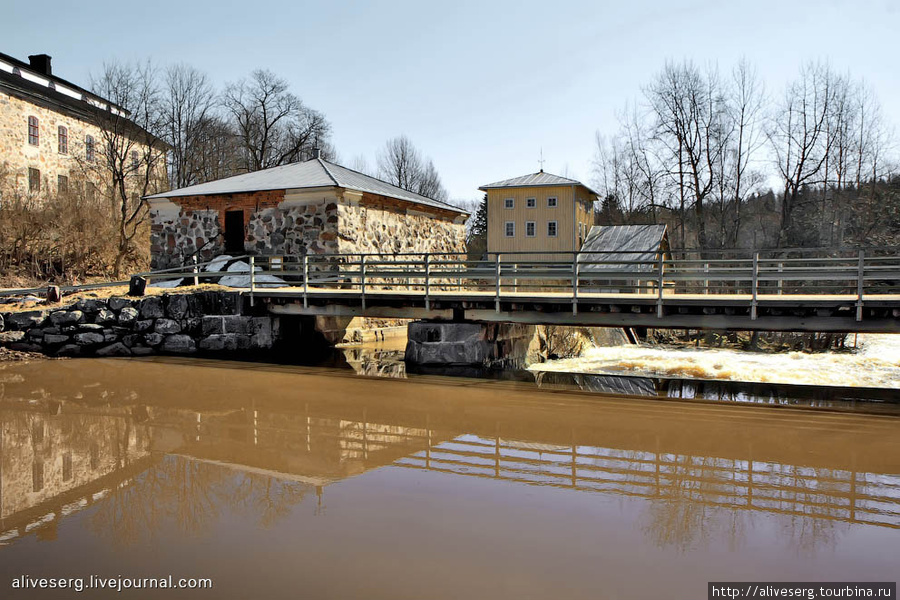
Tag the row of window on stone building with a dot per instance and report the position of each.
(62, 141)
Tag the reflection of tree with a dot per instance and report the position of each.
(190, 496)
(697, 497)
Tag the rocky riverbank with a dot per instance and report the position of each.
(184, 323)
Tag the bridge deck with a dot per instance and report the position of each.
(786, 312)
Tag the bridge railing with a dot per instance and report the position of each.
(746, 273)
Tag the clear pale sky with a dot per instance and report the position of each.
(480, 87)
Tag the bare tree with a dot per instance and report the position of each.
(131, 159)
(691, 126)
(401, 164)
(272, 125)
(800, 139)
(188, 102)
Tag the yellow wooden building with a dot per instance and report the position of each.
(538, 213)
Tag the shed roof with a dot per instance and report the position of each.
(539, 179)
(623, 243)
(313, 173)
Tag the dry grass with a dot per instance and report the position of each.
(107, 292)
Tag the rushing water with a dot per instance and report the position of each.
(300, 482)
(875, 364)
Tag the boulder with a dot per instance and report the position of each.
(153, 339)
(104, 316)
(212, 325)
(1, 322)
(66, 317)
(180, 344)
(117, 303)
(54, 339)
(8, 337)
(143, 325)
(141, 351)
(90, 327)
(89, 338)
(167, 326)
(90, 305)
(117, 349)
(25, 320)
(69, 350)
(152, 308)
(127, 315)
(26, 347)
(177, 307)
(131, 339)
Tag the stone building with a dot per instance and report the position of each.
(51, 138)
(312, 207)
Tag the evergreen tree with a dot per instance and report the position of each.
(476, 240)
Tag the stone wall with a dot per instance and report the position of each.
(122, 326)
(293, 230)
(371, 230)
(174, 238)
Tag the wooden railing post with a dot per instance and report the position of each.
(576, 272)
(362, 279)
(252, 277)
(305, 280)
(755, 279)
(427, 281)
(659, 287)
(706, 279)
(196, 271)
(497, 277)
(860, 281)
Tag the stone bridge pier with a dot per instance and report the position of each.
(470, 343)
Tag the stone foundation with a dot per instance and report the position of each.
(470, 344)
(122, 326)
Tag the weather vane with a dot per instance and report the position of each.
(541, 161)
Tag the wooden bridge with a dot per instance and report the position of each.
(777, 290)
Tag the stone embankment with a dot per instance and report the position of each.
(209, 321)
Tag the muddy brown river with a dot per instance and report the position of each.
(308, 482)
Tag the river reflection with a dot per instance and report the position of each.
(390, 488)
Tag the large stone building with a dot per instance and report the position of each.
(309, 207)
(538, 213)
(51, 132)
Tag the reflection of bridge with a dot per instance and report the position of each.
(776, 290)
(825, 467)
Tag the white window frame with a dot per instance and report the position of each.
(506, 232)
(533, 229)
(509, 203)
(555, 202)
(530, 202)
(555, 229)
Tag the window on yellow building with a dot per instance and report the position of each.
(510, 229)
(509, 203)
(551, 228)
(529, 228)
(551, 202)
(530, 202)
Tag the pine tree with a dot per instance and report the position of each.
(476, 240)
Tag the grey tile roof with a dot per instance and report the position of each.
(622, 243)
(533, 180)
(314, 173)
